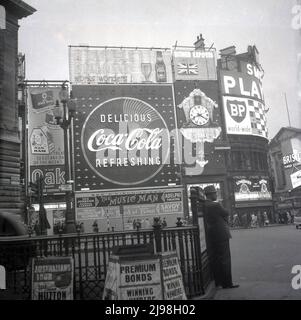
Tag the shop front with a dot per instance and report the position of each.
(252, 196)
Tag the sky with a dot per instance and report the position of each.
(44, 37)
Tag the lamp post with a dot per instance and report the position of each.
(63, 116)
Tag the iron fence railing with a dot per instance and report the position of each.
(91, 254)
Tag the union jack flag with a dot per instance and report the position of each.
(188, 68)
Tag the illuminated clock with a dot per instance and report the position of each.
(199, 115)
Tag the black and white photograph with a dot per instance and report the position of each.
(150, 150)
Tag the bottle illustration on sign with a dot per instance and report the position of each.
(160, 68)
(146, 69)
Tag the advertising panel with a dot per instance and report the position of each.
(252, 188)
(122, 137)
(200, 124)
(194, 65)
(52, 278)
(140, 280)
(217, 185)
(296, 179)
(245, 117)
(291, 161)
(292, 153)
(97, 65)
(235, 83)
(243, 101)
(144, 277)
(45, 139)
(172, 277)
(121, 209)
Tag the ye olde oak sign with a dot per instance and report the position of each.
(144, 276)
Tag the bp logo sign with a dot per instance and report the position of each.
(237, 110)
(125, 141)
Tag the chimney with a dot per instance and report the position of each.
(200, 43)
(229, 51)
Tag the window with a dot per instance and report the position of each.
(2, 18)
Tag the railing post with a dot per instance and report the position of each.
(197, 201)
(194, 205)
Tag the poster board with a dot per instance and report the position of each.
(201, 225)
(172, 277)
(144, 277)
(45, 139)
(121, 208)
(52, 278)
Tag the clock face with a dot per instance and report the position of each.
(199, 115)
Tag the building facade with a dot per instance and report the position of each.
(244, 110)
(200, 118)
(10, 153)
(285, 163)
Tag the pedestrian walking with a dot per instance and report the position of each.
(218, 236)
(260, 219)
(289, 218)
(285, 218)
(254, 221)
(249, 220)
(235, 221)
(245, 220)
(265, 219)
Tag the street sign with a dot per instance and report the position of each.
(66, 187)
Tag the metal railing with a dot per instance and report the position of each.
(91, 254)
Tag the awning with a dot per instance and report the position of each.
(248, 204)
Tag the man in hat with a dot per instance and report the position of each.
(218, 235)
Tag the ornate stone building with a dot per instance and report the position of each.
(10, 188)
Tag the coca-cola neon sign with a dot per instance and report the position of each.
(125, 141)
(130, 141)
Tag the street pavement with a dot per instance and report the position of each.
(262, 261)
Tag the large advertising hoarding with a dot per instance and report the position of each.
(98, 65)
(122, 209)
(194, 64)
(291, 161)
(144, 277)
(122, 137)
(243, 101)
(45, 139)
(200, 125)
(252, 188)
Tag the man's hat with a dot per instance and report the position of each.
(209, 189)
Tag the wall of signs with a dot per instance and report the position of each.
(194, 64)
(122, 137)
(96, 65)
(45, 139)
(122, 210)
(243, 101)
(252, 188)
